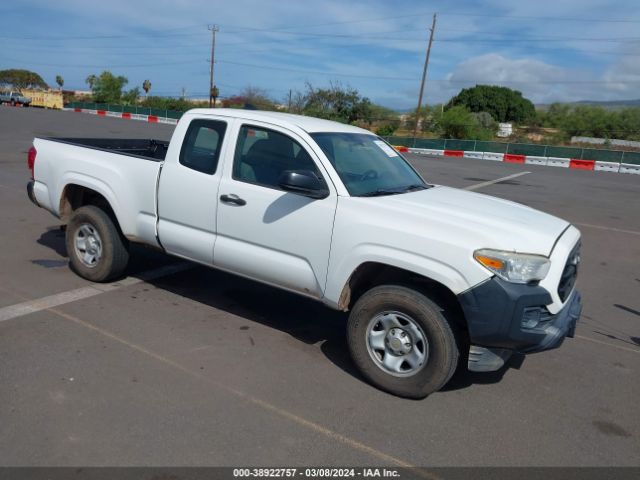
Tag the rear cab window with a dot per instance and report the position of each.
(202, 145)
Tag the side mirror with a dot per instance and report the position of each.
(304, 182)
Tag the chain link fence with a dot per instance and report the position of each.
(135, 110)
(601, 155)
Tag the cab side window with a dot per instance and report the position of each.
(202, 145)
(263, 155)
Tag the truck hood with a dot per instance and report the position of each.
(482, 221)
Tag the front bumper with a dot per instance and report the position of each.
(495, 313)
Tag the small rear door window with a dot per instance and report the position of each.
(202, 145)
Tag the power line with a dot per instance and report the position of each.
(441, 80)
(314, 72)
(532, 17)
(104, 65)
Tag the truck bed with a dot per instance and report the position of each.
(154, 150)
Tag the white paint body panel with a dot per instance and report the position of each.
(278, 237)
(434, 233)
(188, 202)
(129, 184)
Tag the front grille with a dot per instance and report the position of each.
(570, 273)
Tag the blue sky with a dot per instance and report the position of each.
(550, 50)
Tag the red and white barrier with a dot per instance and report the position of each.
(607, 167)
(629, 168)
(574, 163)
(535, 160)
(126, 115)
(427, 151)
(496, 157)
(558, 162)
(471, 154)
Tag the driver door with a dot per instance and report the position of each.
(267, 233)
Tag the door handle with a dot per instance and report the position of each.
(233, 199)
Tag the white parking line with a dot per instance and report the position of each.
(612, 229)
(44, 303)
(619, 347)
(497, 180)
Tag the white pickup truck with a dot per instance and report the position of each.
(430, 274)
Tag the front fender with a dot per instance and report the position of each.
(427, 266)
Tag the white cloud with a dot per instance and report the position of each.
(540, 81)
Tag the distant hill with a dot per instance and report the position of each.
(607, 104)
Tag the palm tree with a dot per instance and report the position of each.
(91, 79)
(60, 81)
(146, 86)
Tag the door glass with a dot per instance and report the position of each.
(202, 144)
(263, 155)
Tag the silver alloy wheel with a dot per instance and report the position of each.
(397, 344)
(88, 245)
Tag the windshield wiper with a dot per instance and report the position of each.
(393, 191)
(380, 192)
(413, 188)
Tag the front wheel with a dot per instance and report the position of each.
(96, 248)
(402, 341)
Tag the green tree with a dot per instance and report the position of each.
(20, 79)
(458, 122)
(385, 120)
(107, 88)
(131, 97)
(504, 104)
(178, 104)
(257, 97)
(428, 118)
(342, 104)
(59, 81)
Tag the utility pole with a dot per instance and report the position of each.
(424, 75)
(214, 29)
(289, 109)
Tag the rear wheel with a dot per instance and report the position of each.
(402, 341)
(96, 248)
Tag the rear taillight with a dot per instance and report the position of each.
(31, 160)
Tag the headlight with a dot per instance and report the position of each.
(514, 267)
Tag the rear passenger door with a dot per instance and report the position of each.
(188, 188)
(264, 232)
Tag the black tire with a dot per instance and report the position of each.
(442, 359)
(114, 247)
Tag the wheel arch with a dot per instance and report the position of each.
(75, 195)
(372, 274)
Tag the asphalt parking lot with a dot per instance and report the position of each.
(202, 368)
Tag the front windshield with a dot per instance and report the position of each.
(367, 165)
